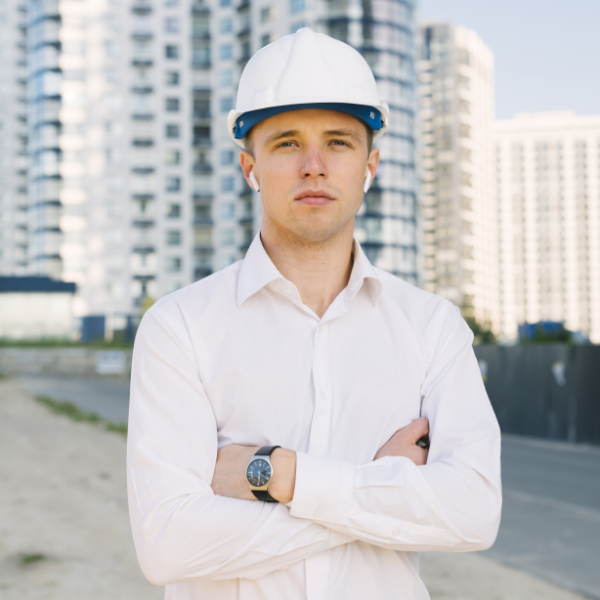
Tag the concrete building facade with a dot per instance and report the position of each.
(383, 31)
(13, 137)
(456, 94)
(133, 187)
(548, 179)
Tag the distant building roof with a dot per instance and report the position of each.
(34, 284)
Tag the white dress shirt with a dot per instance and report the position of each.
(237, 358)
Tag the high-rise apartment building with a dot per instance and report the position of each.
(134, 186)
(383, 31)
(110, 183)
(548, 179)
(13, 137)
(456, 93)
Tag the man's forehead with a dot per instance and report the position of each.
(323, 121)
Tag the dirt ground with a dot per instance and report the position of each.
(64, 529)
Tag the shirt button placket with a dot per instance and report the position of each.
(317, 567)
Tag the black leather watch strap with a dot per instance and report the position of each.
(266, 450)
(263, 494)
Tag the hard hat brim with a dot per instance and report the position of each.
(240, 122)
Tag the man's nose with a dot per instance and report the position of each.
(313, 164)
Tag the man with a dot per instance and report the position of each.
(305, 346)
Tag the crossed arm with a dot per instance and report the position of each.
(230, 481)
(184, 529)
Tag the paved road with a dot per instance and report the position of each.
(551, 517)
(108, 398)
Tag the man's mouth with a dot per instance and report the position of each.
(314, 198)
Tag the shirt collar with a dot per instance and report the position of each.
(258, 270)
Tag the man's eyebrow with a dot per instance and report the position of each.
(343, 133)
(282, 134)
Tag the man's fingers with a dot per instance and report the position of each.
(417, 429)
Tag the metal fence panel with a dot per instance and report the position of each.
(550, 391)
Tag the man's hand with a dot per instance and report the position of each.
(230, 473)
(404, 443)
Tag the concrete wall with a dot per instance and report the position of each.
(35, 315)
(78, 362)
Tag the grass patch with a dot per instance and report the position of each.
(28, 559)
(64, 343)
(68, 409)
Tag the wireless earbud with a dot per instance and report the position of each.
(367, 182)
(254, 182)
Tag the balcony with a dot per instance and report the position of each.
(141, 61)
(202, 272)
(199, 8)
(203, 221)
(143, 248)
(141, 7)
(201, 142)
(143, 222)
(201, 114)
(202, 168)
(201, 63)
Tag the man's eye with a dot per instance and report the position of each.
(339, 143)
(286, 144)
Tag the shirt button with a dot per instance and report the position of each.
(323, 395)
(396, 532)
(316, 514)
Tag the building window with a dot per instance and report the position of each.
(227, 237)
(174, 237)
(224, 3)
(172, 104)
(266, 13)
(200, 28)
(265, 39)
(172, 132)
(172, 78)
(172, 157)
(173, 184)
(171, 3)
(227, 210)
(297, 6)
(201, 55)
(227, 184)
(112, 49)
(171, 25)
(226, 52)
(297, 26)
(226, 104)
(225, 26)
(174, 264)
(226, 77)
(171, 51)
(173, 211)
(226, 157)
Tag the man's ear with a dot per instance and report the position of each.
(248, 165)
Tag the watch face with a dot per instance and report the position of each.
(259, 472)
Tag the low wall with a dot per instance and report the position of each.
(78, 362)
(550, 391)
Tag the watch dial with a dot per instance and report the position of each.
(259, 472)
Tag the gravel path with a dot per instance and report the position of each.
(64, 529)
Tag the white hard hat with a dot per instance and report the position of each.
(306, 70)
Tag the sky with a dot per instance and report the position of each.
(547, 52)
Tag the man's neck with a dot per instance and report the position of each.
(320, 270)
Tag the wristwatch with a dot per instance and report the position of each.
(259, 473)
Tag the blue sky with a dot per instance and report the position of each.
(547, 52)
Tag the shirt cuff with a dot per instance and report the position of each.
(324, 489)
